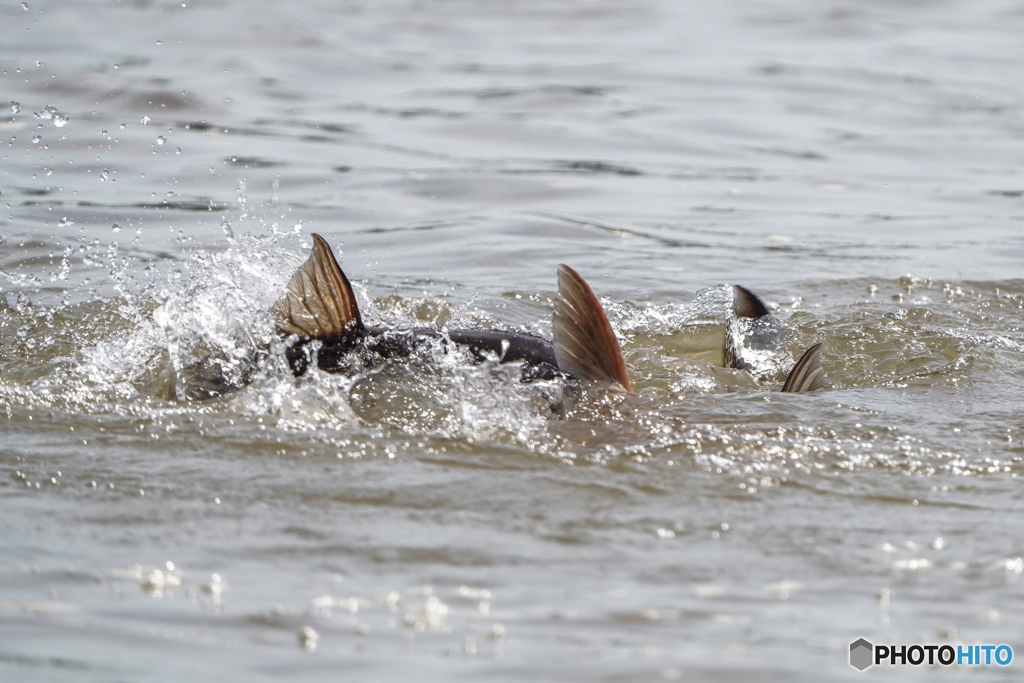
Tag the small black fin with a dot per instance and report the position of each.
(318, 301)
(807, 374)
(746, 304)
(585, 344)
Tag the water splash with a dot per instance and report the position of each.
(131, 353)
(46, 114)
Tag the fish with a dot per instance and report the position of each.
(733, 329)
(319, 317)
(320, 305)
(807, 375)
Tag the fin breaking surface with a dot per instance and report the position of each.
(318, 301)
(585, 344)
(746, 304)
(807, 374)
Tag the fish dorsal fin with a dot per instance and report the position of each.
(585, 345)
(746, 304)
(318, 301)
(807, 374)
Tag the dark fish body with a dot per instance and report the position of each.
(219, 374)
(333, 352)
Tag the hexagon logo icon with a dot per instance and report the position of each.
(861, 654)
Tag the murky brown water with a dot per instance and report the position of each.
(857, 165)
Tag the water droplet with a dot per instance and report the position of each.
(15, 107)
(24, 6)
(105, 174)
(308, 639)
(145, 120)
(226, 227)
(36, 139)
(159, 42)
(116, 228)
(116, 66)
(123, 125)
(160, 139)
(60, 120)
(65, 221)
(47, 113)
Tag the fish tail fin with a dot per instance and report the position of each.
(318, 301)
(746, 304)
(585, 344)
(807, 374)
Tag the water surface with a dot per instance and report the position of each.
(857, 165)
